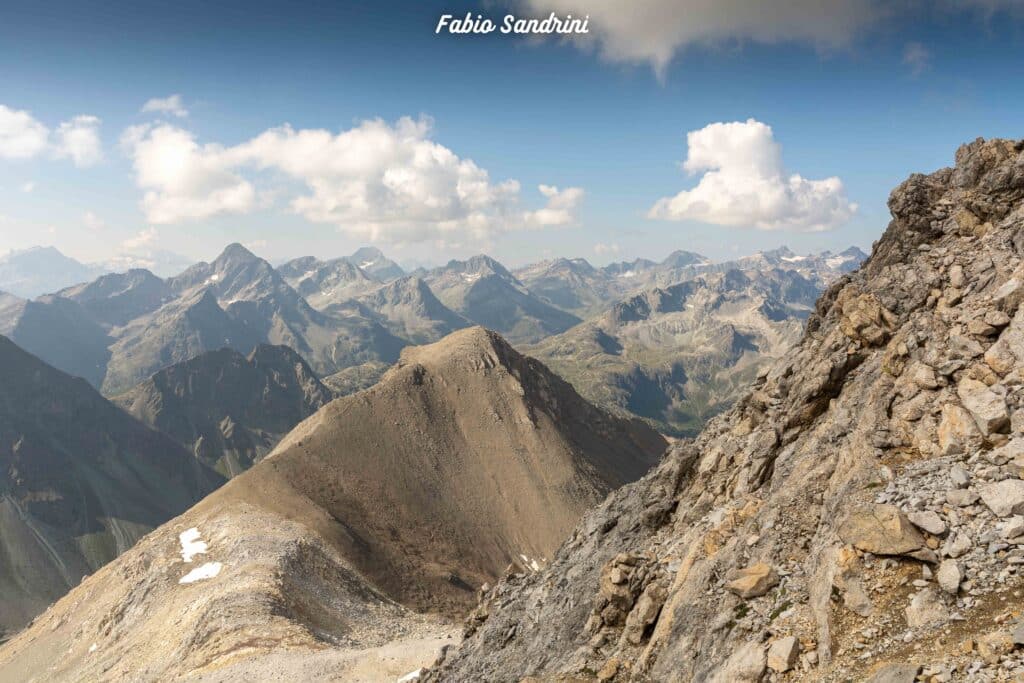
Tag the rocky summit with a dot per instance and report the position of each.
(858, 515)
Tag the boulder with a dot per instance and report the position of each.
(1009, 295)
(926, 609)
(864, 319)
(782, 653)
(928, 521)
(1004, 498)
(923, 375)
(992, 646)
(746, 665)
(753, 581)
(645, 613)
(958, 432)
(986, 406)
(882, 530)
(896, 673)
(961, 497)
(949, 576)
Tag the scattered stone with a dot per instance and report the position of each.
(783, 653)
(949, 576)
(753, 581)
(1004, 498)
(1018, 634)
(928, 521)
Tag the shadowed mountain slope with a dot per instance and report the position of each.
(80, 482)
(229, 410)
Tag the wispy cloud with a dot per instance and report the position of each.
(172, 105)
(917, 57)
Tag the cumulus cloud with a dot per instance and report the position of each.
(22, 136)
(172, 105)
(652, 31)
(744, 184)
(182, 179)
(27, 187)
(560, 209)
(602, 249)
(79, 140)
(376, 180)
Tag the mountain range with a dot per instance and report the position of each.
(682, 354)
(349, 317)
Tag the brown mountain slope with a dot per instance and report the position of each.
(857, 514)
(80, 482)
(466, 457)
(229, 410)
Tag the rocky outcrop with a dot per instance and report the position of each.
(869, 468)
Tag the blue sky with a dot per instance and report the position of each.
(893, 91)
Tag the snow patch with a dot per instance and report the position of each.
(191, 544)
(206, 571)
(366, 264)
(794, 259)
(532, 564)
(837, 261)
(213, 278)
(92, 648)
(411, 676)
(471, 278)
(628, 273)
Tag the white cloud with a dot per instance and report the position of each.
(166, 105)
(22, 136)
(92, 221)
(182, 179)
(560, 209)
(917, 57)
(602, 249)
(27, 187)
(374, 181)
(79, 140)
(652, 31)
(744, 184)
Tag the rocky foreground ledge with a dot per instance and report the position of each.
(858, 516)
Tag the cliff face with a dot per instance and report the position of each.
(858, 513)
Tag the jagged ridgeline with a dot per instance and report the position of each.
(857, 515)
